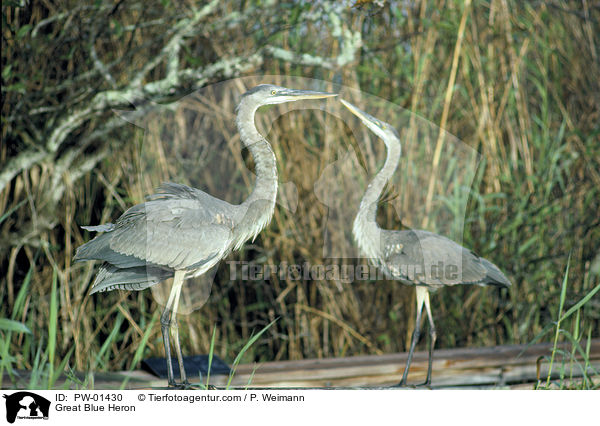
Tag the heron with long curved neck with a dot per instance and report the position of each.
(414, 257)
(182, 232)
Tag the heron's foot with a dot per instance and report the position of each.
(198, 386)
(183, 385)
(424, 385)
(189, 386)
(403, 384)
(427, 382)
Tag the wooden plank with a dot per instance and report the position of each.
(451, 367)
(497, 366)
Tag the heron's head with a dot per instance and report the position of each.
(382, 129)
(268, 94)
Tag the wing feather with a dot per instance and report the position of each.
(424, 258)
(178, 227)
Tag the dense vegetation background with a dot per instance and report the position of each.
(518, 82)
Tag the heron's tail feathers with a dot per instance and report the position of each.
(99, 249)
(494, 276)
(111, 277)
(107, 227)
(93, 249)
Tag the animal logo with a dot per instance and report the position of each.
(26, 405)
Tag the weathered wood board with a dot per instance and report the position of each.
(514, 366)
(492, 366)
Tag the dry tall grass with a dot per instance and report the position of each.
(517, 83)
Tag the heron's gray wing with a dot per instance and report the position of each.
(179, 227)
(181, 233)
(422, 257)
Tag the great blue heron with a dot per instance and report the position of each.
(414, 257)
(182, 232)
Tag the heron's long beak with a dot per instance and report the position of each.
(384, 130)
(369, 121)
(366, 118)
(307, 94)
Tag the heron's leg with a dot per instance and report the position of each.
(175, 332)
(165, 320)
(432, 338)
(421, 291)
(165, 324)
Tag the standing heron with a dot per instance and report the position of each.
(414, 257)
(182, 232)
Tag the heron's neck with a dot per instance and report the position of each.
(366, 230)
(261, 202)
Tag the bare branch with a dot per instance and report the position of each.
(170, 51)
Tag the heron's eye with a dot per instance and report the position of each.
(273, 92)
